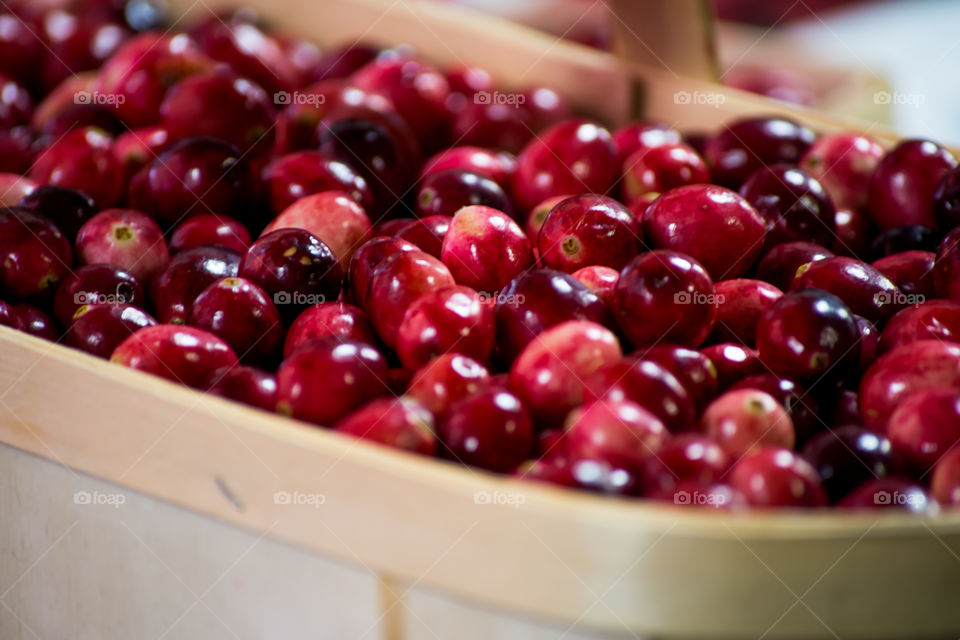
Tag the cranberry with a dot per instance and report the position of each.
(848, 456)
(645, 134)
(891, 493)
(446, 380)
(933, 320)
(327, 378)
(190, 272)
(740, 303)
(186, 355)
(743, 146)
(454, 319)
(37, 322)
(498, 166)
(575, 156)
(194, 176)
(846, 409)
(96, 284)
(126, 238)
(98, 329)
(246, 48)
(733, 363)
(622, 434)
(390, 228)
(600, 280)
(302, 173)
(925, 425)
(588, 230)
(945, 484)
(911, 272)
(794, 206)
(17, 153)
(946, 267)
(83, 160)
(744, 419)
(485, 249)
(843, 163)
(490, 429)
(367, 258)
(78, 42)
(550, 373)
(665, 295)
(803, 409)
(9, 316)
(692, 369)
(446, 192)
(780, 264)
(251, 386)
(869, 341)
(342, 61)
(426, 233)
(34, 256)
(917, 366)
(21, 50)
(903, 185)
(946, 200)
(66, 208)
(210, 229)
(329, 319)
(683, 458)
(853, 233)
(499, 126)
(136, 148)
(242, 314)
(589, 475)
(648, 384)
(294, 267)
(709, 223)
(539, 213)
(864, 290)
(395, 422)
(908, 237)
(661, 168)
(775, 477)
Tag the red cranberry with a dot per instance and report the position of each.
(740, 303)
(744, 419)
(446, 380)
(98, 329)
(853, 233)
(342, 61)
(733, 363)
(176, 287)
(37, 322)
(490, 429)
(645, 134)
(684, 458)
(135, 148)
(302, 173)
(550, 374)
(495, 125)
(181, 354)
(446, 192)
(498, 166)
(902, 187)
(848, 456)
(933, 320)
(665, 295)
(34, 256)
(367, 258)
(846, 409)
(66, 208)
(712, 224)
(454, 319)
(9, 316)
(692, 369)
(251, 386)
(780, 264)
(21, 50)
(427, 233)
(295, 268)
(908, 237)
(78, 42)
(803, 409)
(775, 477)
(925, 425)
(946, 267)
(17, 153)
(869, 341)
(125, 238)
(891, 493)
(329, 319)
(80, 116)
(621, 433)
(575, 156)
(911, 272)
(83, 160)
(920, 365)
(743, 146)
(808, 334)
(946, 200)
(794, 206)
(843, 163)
(648, 384)
(863, 289)
(945, 484)
(589, 475)
(327, 378)
(661, 168)
(539, 213)
(600, 280)
(96, 284)
(210, 229)
(390, 228)
(588, 230)
(546, 106)
(395, 422)
(485, 249)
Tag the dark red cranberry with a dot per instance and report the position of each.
(925, 426)
(848, 456)
(445, 380)
(683, 458)
(366, 259)
(302, 173)
(661, 168)
(190, 272)
(328, 319)
(96, 284)
(34, 255)
(946, 267)
(932, 320)
(426, 233)
(910, 237)
(864, 290)
(620, 433)
(733, 363)
(891, 493)
(498, 166)
(67, 208)
(242, 314)
(853, 233)
(17, 150)
(446, 192)
(775, 477)
(9, 316)
(945, 483)
(869, 341)
(37, 322)
(210, 228)
(454, 319)
(911, 272)
(599, 279)
(399, 423)
(740, 303)
(903, 185)
(98, 329)
(83, 160)
(586, 474)
(648, 384)
(803, 409)
(946, 200)
(186, 355)
(743, 146)
(251, 386)
(794, 206)
(21, 50)
(588, 230)
(485, 249)
(16, 105)
(843, 163)
(692, 369)
(780, 264)
(846, 408)
(490, 430)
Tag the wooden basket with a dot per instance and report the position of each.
(203, 518)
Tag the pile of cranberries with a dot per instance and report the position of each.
(755, 316)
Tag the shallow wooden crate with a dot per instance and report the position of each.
(139, 509)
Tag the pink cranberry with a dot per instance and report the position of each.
(66, 208)
(83, 160)
(550, 373)
(864, 290)
(743, 146)
(844, 163)
(776, 477)
(733, 363)
(251, 386)
(34, 255)
(945, 483)
(933, 320)
(622, 433)
(328, 319)
(661, 168)
(902, 187)
(780, 264)
(648, 384)
(490, 429)
(446, 380)
(891, 493)
(366, 259)
(744, 419)
(911, 272)
(740, 303)
(847, 456)
(96, 284)
(426, 233)
(327, 378)
(925, 425)
(446, 192)
(709, 223)
(586, 230)
(454, 319)
(644, 134)
(684, 458)
(794, 206)
(485, 249)
(126, 238)
(600, 280)
(539, 213)
(181, 354)
(98, 329)
(399, 423)
(665, 295)
(499, 166)
(802, 408)
(692, 369)
(853, 233)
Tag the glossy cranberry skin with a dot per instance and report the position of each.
(210, 229)
(329, 319)
(932, 320)
(295, 268)
(745, 145)
(125, 238)
(648, 384)
(242, 314)
(539, 213)
(453, 319)
(96, 284)
(426, 233)
(445, 380)
(684, 458)
(692, 369)
(9, 317)
(744, 419)
(83, 160)
(925, 426)
(181, 354)
(902, 188)
(780, 264)
(802, 407)
(37, 322)
(327, 378)
(843, 163)
(869, 341)
(34, 255)
(620, 433)
(588, 475)
(396, 284)
(588, 230)
(135, 148)
(849, 455)
(490, 430)
(550, 374)
(98, 329)
(775, 477)
(666, 296)
(78, 42)
(600, 280)
(498, 126)
(946, 200)
(398, 423)
(911, 272)
(853, 233)
(945, 482)
(193, 177)
(891, 493)
(247, 49)
(66, 208)
(301, 173)
(917, 366)
(711, 224)
(248, 385)
(733, 362)
(544, 165)
(740, 303)
(485, 249)
(644, 134)
(864, 290)
(446, 192)
(366, 259)
(794, 206)
(17, 151)
(21, 50)
(946, 267)
(661, 168)
(498, 166)
(190, 272)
